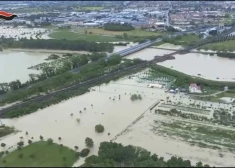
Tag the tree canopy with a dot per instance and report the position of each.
(116, 155)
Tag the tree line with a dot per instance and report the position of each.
(116, 155)
(74, 45)
(118, 27)
(88, 71)
(50, 71)
(185, 80)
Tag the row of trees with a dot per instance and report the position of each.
(116, 155)
(118, 27)
(74, 61)
(184, 80)
(74, 45)
(89, 71)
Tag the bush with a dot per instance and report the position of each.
(29, 141)
(41, 137)
(3, 144)
(76, 147)
(50, 141)
(85, 152)
(99, 128)
(21, 143)
(89, 142)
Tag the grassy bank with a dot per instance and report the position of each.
(220, 46)
(40, 154)
(184, 80)
(185, 40)
(4, 130)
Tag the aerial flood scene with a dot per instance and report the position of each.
(117, 84)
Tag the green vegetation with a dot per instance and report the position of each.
(118, 27)
(53, 57)
(194, 133)
(5, 130)
(89, 71)
(116, 155)
(220, 46)
(67, 34)
(136, 97)
(85, 152)
(226, 55)
(135, 32)
(101, 35)
(99, 128)
(40, 154)
(89, 142)
(65, 79)
(74, 45)
(185, 40)
(183, 80)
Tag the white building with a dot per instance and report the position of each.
(193, 88)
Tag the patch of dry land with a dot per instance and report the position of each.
(128, 121)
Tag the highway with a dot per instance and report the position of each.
(148, 43)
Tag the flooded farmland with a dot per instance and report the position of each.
(103, 106)
(14, 65)
(209, 67)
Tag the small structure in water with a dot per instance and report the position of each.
(154, 85)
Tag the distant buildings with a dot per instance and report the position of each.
(194, 88)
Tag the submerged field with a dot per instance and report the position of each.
(125, 120)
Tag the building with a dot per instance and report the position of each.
(193, 88)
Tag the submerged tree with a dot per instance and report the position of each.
(89, 142)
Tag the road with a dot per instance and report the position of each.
(148, 43)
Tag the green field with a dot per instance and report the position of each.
(135, 32)
(67, 34)
(184, 40)
(45, 155)
(220, 46)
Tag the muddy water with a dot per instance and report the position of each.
(56, 121)
(210, 67)
(13, 65)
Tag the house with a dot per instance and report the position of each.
(193, 88)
